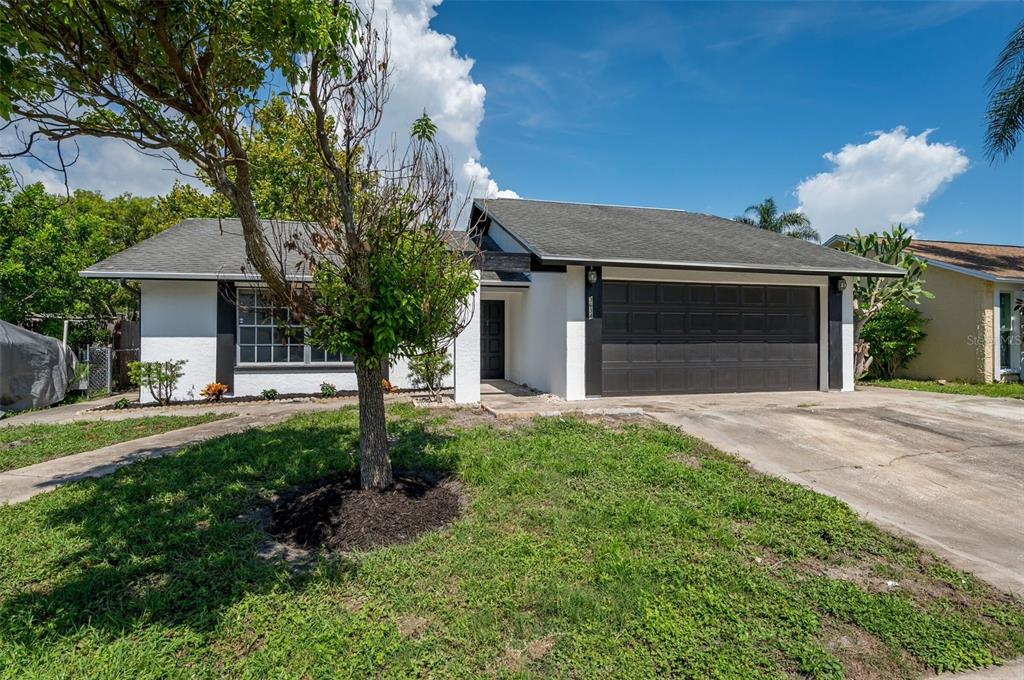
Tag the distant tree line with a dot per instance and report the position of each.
(47, 238)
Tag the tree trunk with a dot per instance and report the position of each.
(374, 460)
(861, 352)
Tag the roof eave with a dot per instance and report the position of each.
(565, 260)
(176, 276)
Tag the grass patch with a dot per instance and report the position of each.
(1007, 390)
(22, 445)
(588, 550)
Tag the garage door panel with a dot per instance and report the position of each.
(752, 377)
(752, 351)
(615, 382)
(643, 322)
(643, 381)
(643, 293)
(697, 351)
(689, 338)
(672, 352)
(615, 293)
(726, 379)
(699, 380)
(616, 322)
(672, 380)
(725, 352)
(643, 353)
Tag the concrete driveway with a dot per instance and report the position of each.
(948, 470)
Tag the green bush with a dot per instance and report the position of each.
(428, 370)
(893, 336)
(328, 390)
(270, 394)
(159, 377)
(122, 403)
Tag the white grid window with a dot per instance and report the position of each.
(267, 335)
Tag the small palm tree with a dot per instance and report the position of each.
(1006, 106)
(791, 223)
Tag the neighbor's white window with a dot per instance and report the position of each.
(267, 334)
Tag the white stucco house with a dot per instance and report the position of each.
(574, 300)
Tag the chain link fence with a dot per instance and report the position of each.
(94, 371)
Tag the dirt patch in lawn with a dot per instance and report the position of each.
(864, 656)
(335, 514)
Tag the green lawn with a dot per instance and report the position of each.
(22, 445)
(586, 551)
(1012, 390)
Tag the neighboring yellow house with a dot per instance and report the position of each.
(973, 331)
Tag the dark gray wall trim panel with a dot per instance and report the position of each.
(592, 313)
(492, 339)
(226, 329)
(835, 334)
(671, 338)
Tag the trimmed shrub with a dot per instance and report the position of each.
(270, 394)
(328, 390)
(893, 335)
(159, 377)
(428, 371)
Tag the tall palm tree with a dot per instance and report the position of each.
(1006, 104)
(768, 217)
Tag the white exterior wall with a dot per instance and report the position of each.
(537, 335)
(179, 321)
(250, 382)
(575, 335)
(467, 356)
(693, 276)
(849, 379)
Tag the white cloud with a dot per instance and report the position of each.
(110, 166)
(430, 75)
(880, 182)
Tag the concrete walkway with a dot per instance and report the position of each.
(19, 485)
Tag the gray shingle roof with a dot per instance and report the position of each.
(204, 249)
(192, 249)
(576, 233)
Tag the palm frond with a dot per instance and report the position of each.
(1005, 111)
(745, 220)
(803, 231)
(794, 219)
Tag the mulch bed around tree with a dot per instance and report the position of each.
(335, 514)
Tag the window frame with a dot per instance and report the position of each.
(306, 362)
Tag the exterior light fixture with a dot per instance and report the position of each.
(841, 285)
(591, 276)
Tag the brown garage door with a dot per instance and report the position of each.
(675, 338)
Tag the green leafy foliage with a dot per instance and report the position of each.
(269, 394)
(585, 551)
(871, 294)
(429, 370)
(122, 403)
(47, 239)
(327, 389)
(423, 128)
(160, 378)
(893, 334)
(416, 296)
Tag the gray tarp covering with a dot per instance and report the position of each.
(34, 369)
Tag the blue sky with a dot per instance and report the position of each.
(713, 106)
